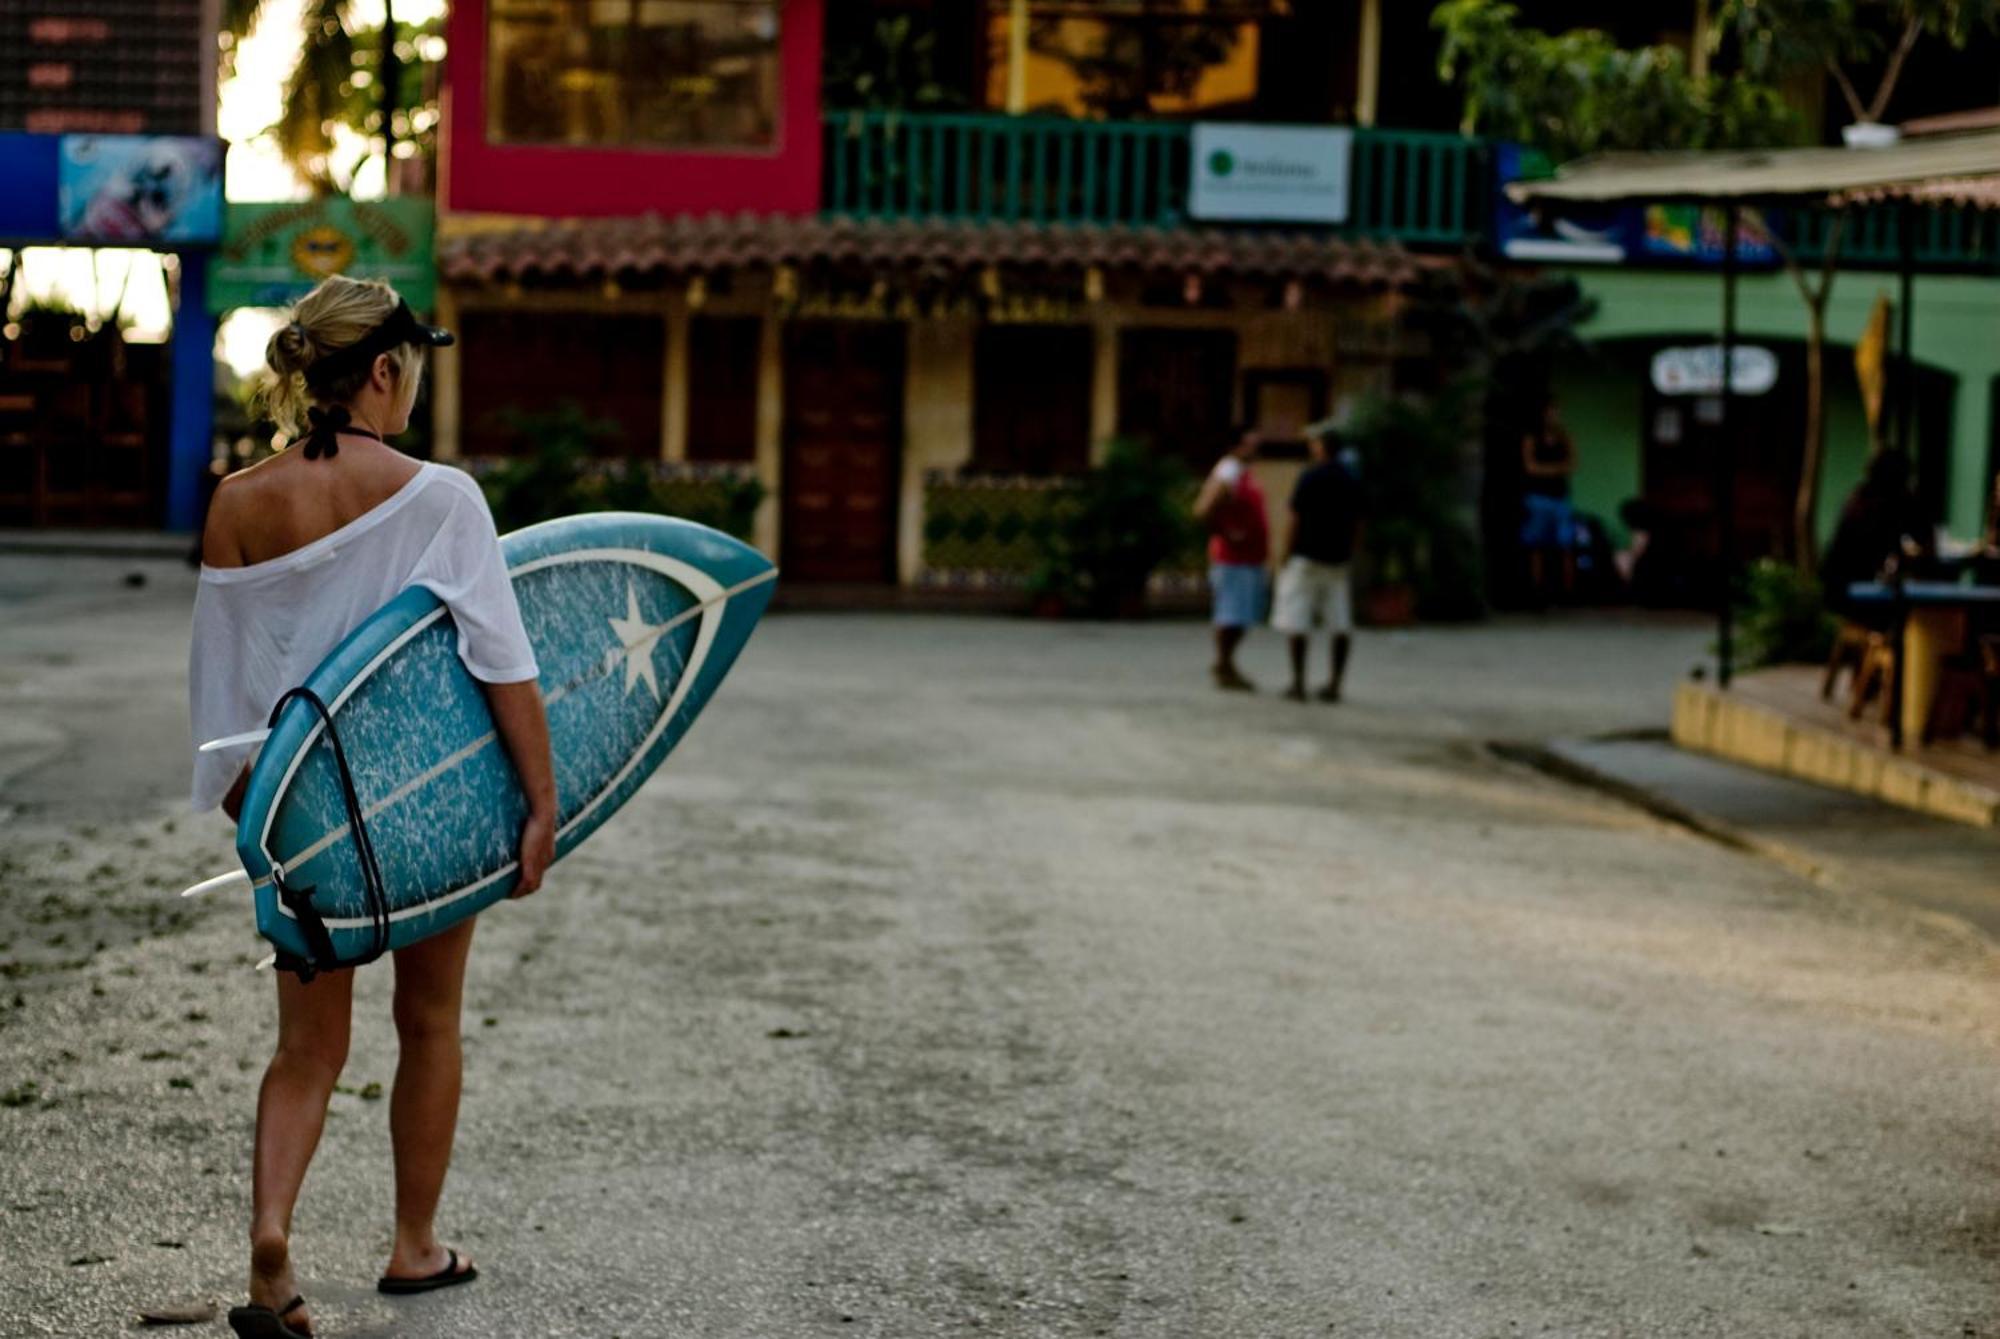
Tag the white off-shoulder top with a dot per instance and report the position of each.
(260, 630)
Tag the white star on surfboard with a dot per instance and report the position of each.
(638, 637)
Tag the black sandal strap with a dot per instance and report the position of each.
(291, 1306)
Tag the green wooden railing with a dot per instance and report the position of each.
(1420, 188)
(1416, 187)
(1946, 239)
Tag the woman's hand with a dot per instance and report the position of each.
(538, 850)
(524, 728)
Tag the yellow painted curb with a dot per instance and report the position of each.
(1707, 720)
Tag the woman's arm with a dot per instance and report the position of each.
(1205, 500)
(232, 803)
(524, 729)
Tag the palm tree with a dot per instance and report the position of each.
(316, 91)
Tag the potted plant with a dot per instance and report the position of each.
(1052, 586)
(549, 476)
(1411, 450)
(50, 331)
(1125, 518)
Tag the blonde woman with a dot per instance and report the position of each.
(298, 550)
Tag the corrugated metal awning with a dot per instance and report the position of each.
(1767, 176)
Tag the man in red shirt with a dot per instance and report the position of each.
(1239, 547)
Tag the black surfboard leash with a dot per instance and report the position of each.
(320, 953)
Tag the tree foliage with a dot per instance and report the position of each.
(1121, 66)
(893, 67)
(1845, 38)
(334, 84)
(1576, 93)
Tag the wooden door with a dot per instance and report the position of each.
(843, 448)
(1761, 446)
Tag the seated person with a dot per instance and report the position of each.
(1877, 531)
(1986, 561)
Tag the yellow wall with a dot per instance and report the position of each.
(937, 424)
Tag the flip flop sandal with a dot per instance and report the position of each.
(261, 1322)
(448, 1277)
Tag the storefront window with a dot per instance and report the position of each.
(1134, 58)
(1031, 399)
(667, 73)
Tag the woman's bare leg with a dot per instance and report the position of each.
(423, 1111)
(291, 1110)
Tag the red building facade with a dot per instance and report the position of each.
(550, 112)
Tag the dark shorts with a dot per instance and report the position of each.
(1549, 523)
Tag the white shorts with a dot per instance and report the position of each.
(1312, 592)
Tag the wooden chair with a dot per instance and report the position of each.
(1968, 695)
(1876, 675)
(1850, 648)
(1989, 678)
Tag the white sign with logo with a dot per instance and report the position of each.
(1272, 174)
(1698, 370)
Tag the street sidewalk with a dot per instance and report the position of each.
(1837, 839)
(97, 543)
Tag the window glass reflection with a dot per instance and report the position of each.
(633, 72)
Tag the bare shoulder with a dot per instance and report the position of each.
(239, 497)
(221, 533)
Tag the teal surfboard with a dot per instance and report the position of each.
(635, 619)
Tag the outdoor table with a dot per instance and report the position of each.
(1931, 618)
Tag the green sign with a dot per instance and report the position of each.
(273, 254)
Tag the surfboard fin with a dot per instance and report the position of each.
(243, 740)
(236, 881)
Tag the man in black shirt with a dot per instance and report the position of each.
(1313, 585)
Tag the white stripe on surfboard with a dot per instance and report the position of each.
(690, 672)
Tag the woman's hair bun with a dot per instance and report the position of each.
(291, 350)
(330, 318)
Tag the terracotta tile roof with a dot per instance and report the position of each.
(592, 251)
(1970, 192)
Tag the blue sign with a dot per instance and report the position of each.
(28, 204)
(1593, 234)
(1614, 234)
(140, 190)
(1698, 235)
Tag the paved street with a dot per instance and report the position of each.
(980, 976)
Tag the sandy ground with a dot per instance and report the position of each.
(967, 976)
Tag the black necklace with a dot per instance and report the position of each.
(324, 429)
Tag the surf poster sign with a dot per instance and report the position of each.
(1667, 236)
(274, 253)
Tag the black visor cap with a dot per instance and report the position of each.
(401, 327)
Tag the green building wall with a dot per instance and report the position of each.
(1603, 392)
